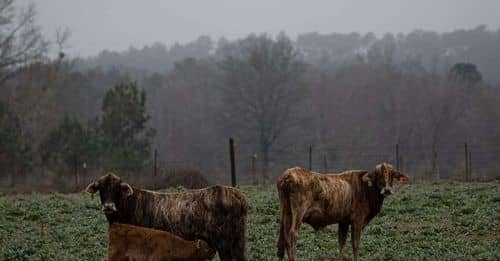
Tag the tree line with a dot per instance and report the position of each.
(58, 118)
(416, 51)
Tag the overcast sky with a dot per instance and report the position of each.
(118, 24)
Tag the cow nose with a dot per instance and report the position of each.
(108, 207)
(386, 191)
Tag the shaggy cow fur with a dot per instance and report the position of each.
(127, 242)
(216, 214)
(350, 198)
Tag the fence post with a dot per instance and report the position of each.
(325, 163)
(466, 162)
(155, 162)
(254, 172)
(397, 157)
(231, 158)
(435, 167)
(75, 169)
(310, 157)
(470, 166)
(401, 163)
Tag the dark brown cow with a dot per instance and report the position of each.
(128, 242)
(216, 214)
(351, 198)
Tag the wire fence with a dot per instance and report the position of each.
(466, 162)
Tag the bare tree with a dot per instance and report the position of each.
(263, 89)
(20, 38)
(62, 37)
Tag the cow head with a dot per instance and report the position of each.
(383, 176)
(111, 191)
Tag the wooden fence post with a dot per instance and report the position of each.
(435, 166)
(155, 162)
(310, 157)
(397, 157)
(75, 169)
(470, 166)
(254, 171)
(231, 158)
(466, 162)
(325, 163)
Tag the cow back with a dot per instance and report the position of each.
(193, 214)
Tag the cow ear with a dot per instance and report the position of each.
(92, 188)
(126, 189)
(401, 177)
(370, 176)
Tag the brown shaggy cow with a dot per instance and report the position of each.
(351, 198)
(127, 242)
(216, 214)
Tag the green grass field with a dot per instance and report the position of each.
(446, 221)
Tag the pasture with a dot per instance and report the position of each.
(432, 221)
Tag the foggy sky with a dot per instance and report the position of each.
(118, 24)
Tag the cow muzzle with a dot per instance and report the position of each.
(386, 191)
(108, 208)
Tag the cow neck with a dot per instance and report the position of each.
(127, 208)
(374, 198)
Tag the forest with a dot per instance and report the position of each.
(344, 100)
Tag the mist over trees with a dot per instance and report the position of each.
(149, 59)
(415, 52)
(350, 97)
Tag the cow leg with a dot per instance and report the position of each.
(287, 222)
(342, 233)
(231, 246)
(291, 244)
(225, 257)
(227, 253)
(238, 249)
(224, 254)
(112, 255)
(296, 233)
(280, 245)
(298, 211)
(221, 244)
(356, 239)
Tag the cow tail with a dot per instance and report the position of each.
(283, 187)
